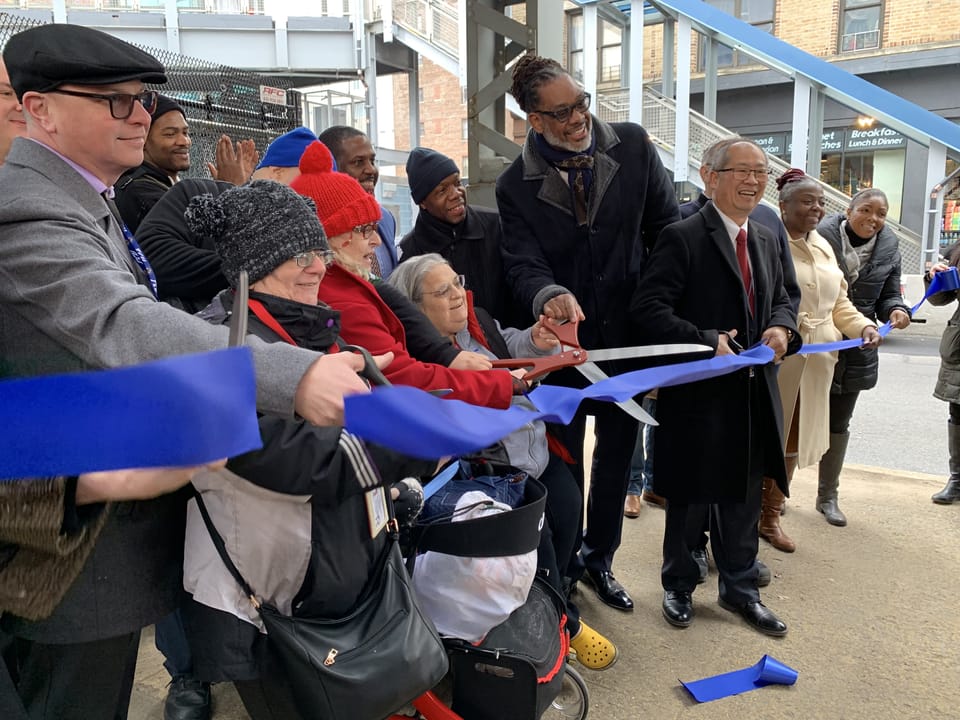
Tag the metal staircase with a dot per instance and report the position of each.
(659, 120)
(431, 27)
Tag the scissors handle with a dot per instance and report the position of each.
(370, 371)
(573, 354)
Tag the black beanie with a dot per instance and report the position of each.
(426, 169)
(166, 104)
(256, 227)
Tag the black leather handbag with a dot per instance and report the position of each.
(363, 666)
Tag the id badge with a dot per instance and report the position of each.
(376, 510)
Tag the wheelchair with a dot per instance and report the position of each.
(520, 671)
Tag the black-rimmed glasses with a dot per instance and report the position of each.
(563, 114)
(458, 283)
(305, 259)
(366, 230)
(743, 173)
(121, 104)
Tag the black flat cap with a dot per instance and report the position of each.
(48, 56)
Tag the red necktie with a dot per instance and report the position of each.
(743, 261)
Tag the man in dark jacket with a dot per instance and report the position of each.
(166, 154)
(768, 217)
(468, 236)
(716, 279)
(579, 207)
(354, 155)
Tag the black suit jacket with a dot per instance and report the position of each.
(690, 290)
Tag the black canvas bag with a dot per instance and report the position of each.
(363, 666)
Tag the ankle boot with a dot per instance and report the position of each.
(770, 506)
(830, 465)
(951, 491)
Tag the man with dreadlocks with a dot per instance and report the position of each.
(580, 208)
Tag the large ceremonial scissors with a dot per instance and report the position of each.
(572, 354)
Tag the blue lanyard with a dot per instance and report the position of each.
(136, 252)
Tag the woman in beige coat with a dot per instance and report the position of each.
(825, 315)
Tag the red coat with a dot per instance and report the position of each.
(365, 320)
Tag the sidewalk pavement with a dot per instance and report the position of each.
(872, 610)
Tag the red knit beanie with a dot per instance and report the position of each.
(341, 203)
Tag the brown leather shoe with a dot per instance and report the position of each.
(652, 498)
(631, 506)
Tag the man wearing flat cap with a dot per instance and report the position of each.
(166, 154)
(77, 293)
(468, 236)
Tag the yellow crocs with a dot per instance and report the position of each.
(594, 651)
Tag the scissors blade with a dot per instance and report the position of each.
(594, 374)
(238, 319)
(638, 351)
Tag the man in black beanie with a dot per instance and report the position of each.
(165, 155)
(468, 236)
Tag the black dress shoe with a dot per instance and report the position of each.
(187, 699)
(759, 616)
(609, 590)
(700, 556)
(678, 608)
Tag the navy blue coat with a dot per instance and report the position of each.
(545, 252)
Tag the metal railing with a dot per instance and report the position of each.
(433, 20)
(659, 120)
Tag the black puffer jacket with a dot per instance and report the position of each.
(876, 293)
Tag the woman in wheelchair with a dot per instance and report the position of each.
(433, 285)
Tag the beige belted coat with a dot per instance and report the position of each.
(826, 315)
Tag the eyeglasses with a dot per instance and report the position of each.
(458, 283)
(305, 259)
(744, 173)
(366, 230)
(563, 114)
(121, 104)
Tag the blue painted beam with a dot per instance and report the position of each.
(912, 120)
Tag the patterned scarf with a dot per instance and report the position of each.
(579, 169)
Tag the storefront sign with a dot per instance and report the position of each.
(771, 144)
(830, 142)
(875, 138)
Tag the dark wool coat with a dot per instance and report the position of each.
(948, 379)
(472, 248)
(546, 253)
(875, 292)
(691, 288)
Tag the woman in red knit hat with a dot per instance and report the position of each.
(349, 216)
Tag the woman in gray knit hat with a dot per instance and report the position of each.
(293, 515)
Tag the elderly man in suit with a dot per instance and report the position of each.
(76, 292)
(716, 278)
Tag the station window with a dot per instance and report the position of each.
(759, 13)
(860, 24)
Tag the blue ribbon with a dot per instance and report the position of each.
(185, 410)
(420, 425)
(766, 672)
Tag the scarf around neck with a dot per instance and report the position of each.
(579, 169)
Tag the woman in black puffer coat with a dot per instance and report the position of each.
(868, 254)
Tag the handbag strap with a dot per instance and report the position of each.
(392, 531)
(222, 551)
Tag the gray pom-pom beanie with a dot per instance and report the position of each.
(256, 227)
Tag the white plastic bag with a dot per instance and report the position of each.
(467, 597)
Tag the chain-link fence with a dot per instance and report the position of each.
(216, 99)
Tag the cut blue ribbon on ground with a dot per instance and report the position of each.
(767, 671)
(186, 410)
(413, 422)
